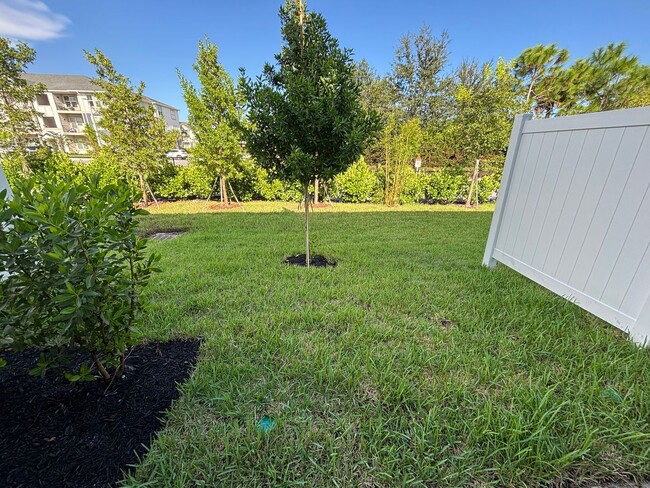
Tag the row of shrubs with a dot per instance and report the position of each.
(359, 184)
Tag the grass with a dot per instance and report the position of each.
(408, 364)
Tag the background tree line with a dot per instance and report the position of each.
(455, 119)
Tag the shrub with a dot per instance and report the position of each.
(487, 185)
(73, 269)
(191, 181)
(275, 189)
(58, 166)
(357, 184)
(446, 186)
(413, 186)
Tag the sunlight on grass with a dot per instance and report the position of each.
(409, 364)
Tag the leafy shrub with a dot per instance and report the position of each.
(58, 166)
(357, 184)
(191, 181)
(275, 189)
(413, 186)
(72, 271)
(487, 185)
(446, 186)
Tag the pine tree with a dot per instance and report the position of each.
(542, 74)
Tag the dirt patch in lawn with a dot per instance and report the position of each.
(223, 206)
(60, 434)
(317, 260)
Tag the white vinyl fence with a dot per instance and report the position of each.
(4, 185)
(573, 212)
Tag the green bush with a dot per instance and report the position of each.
(356, 185)
(191, 181)
(487, 185)
(275, 189)
(72, 270)
(413, 186)
(58, 166)
(446, 186)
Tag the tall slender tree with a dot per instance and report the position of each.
(306, 116)
(215, 116)
(17, 114)
(132, 133)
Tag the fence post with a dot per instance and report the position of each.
(640, 331)
(508, 169)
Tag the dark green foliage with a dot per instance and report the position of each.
(423, 91)
(306, 114)
(74, 271)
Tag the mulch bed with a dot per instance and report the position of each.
(60, 434)
(317, 260)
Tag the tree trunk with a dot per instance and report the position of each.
(100, 367)
(224, 191)
(315, 191)
(143, 189)
(305, 189)
(473, 182)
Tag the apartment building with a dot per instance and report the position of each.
(188, 138)
(70, 103)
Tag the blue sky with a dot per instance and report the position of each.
(147, 40)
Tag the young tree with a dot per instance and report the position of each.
(133, 135)
(17, 115)
(306, 116)
(402, 144)
(484, 119)
(215, 116)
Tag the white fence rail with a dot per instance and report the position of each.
(573, 212)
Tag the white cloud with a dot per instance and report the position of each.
(30, 20)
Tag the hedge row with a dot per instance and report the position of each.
(358, 184)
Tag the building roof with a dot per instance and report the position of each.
(62, 82)
(74, 83)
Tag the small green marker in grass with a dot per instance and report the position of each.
(266, 424)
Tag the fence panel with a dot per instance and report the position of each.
(573, 212)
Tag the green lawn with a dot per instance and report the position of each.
(409, 364)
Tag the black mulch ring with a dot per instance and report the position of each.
(318, 261)
(59, 434)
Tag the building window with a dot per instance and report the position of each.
(42, 99)
(160, 111)
(173, 115)
(91, 101)
(49, 122)
(70, 101)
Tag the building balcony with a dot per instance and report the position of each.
(74, 129)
